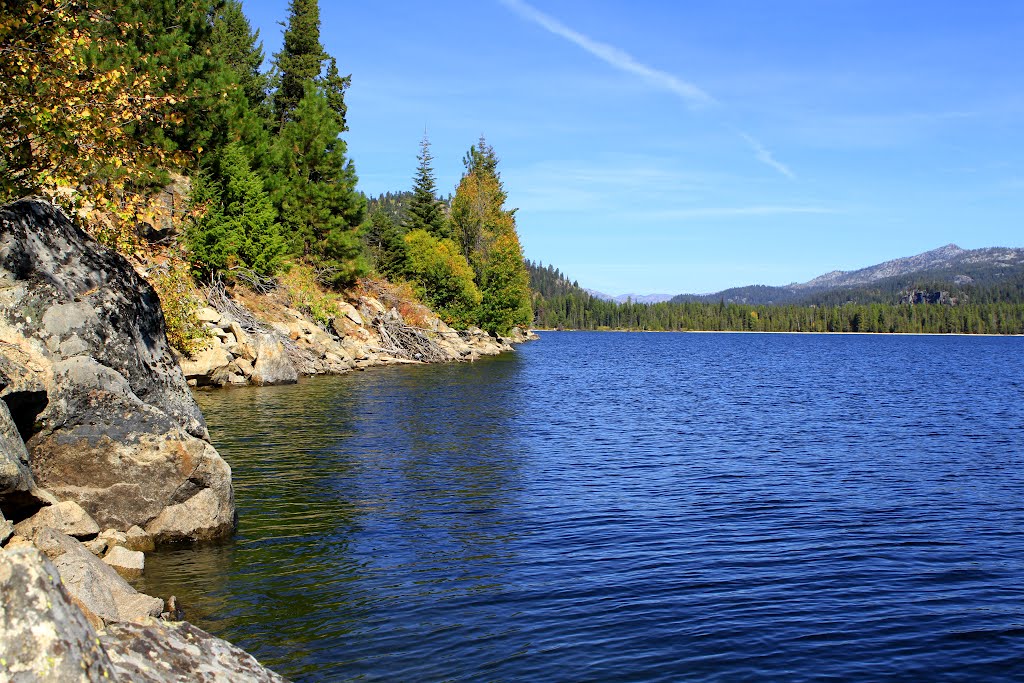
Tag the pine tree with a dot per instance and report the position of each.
(234, 41)
(240, 115)
(300, 60)
(172, 38)
(424, 209)
(314, 186)
(239, 227)
(335, 86)
(385, 244)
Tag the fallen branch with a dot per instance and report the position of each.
(219, 299)
(405, 341)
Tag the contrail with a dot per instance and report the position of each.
(765, 156)
(612, 55)
(622, 60)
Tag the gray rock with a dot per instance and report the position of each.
(159, 652)
(97, 588)
(114, 537)
(237, 330)
(350, 312)
(206, 363)
(43, 636)
(17, 541)
(67, 517)
(128, 563)
(115, 427)
(97, 546)
(272, 365)
(14, 472)
(207, 314)
(244, 366)
(138, 539)
(19, 494)
(180, 522)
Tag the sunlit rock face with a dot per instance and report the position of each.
(93, 389)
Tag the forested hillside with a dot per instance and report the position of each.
(103, 104)
(980, 276)
(561, 304)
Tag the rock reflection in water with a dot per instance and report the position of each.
(343, 484)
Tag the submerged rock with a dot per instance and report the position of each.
(138, 539)
(96, 395)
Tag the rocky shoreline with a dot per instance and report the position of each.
(104, 453)
(263, 340)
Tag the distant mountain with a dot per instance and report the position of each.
(635, 298)
(949, 257)
(995, 273)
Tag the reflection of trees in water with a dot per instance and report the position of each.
(289, 560)
(358, 496)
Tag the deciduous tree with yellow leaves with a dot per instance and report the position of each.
(70, 102)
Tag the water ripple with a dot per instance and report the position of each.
(621, 507)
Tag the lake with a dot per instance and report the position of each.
(629, 507)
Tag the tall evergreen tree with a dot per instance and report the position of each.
(171, 38)
(314, 186)
(385, 244)
(424, 209)
(300, 60)
(335, 86)
(506, 288)
(239, 46)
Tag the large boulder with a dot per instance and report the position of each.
(98, 398)
(19, 495)
(43, 636)
(272, 364)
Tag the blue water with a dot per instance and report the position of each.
(629, 507)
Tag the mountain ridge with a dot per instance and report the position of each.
(948, 265)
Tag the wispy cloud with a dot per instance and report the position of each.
(765, 157)
(620, 59)
(691, 94)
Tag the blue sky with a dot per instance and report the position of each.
(693, 146)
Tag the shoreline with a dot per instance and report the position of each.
(793, 332)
